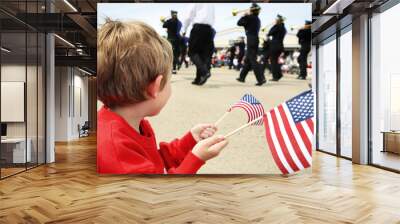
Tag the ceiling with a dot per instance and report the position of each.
(74, 22)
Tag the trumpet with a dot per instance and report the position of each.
(236, 12)
(293, 28)
(266, 27)
(297, 28)
(164, 18)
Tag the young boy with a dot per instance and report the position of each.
(133, 82)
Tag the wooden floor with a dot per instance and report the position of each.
(70, 191)
(387, 159)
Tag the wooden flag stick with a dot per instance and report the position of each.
(243, 126)
(221, 118)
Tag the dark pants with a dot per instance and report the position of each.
(183, 57)
(266, 64)
(240, 59)
(250, 62)
(276, 69)
(201, 46)
(231, 61)
(302, 59)
(176, 51)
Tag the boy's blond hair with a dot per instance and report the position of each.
(130, 55)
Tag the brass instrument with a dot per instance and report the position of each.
(236, 12)
(297, 28)
(165, 18)
(294, 28)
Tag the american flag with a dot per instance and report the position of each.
(252, 106)
(289, 130)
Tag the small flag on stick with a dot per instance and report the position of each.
(252, 106)
(289, 131)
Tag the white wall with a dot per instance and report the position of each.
(33, 126)
(71, 102)
(15, 73)
(346, 74)
(62, 81)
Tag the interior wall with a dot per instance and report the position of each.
(92, 98)
(16, 72)
(71, 102)
(61, 103)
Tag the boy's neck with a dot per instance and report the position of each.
(132, 114)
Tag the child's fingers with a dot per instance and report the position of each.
(217, 148)
(213, 140)
(209, 126)
(206, 134)
(214, 129)
(210, 130)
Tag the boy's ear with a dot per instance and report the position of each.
(154, 87)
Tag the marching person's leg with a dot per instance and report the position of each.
(245, 70)
(176, 52)
(280, 75)
(266, 64)
(194, 50)
(182, 53)
(180, 59)
(252, 59)
(274, 65)
(303, 65)
(205, 55)
(197, 78)
(201, 67)
(240, 64)
(300, 60)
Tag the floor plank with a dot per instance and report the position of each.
(70, 191)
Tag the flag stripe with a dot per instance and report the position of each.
(310, 124)
(307, 130)
(281, 143)
(260, 110)
(287, 142)
(304, 136)
(246, 108)
(253, 111)
(252, 107)
(297, 135)
(293, 141)
(250, 111)
(272, 147)
(277, 147)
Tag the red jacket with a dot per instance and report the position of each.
(122, 150)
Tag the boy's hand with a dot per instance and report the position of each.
(209, 148)
(203, 131)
